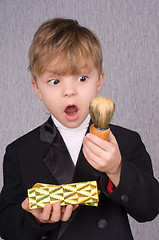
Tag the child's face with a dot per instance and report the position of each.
(68, 97)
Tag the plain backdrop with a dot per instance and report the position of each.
(129, 34)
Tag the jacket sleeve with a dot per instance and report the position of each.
(16, 223)
(138, 190)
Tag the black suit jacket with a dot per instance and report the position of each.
(41, 156)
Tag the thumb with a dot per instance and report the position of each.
(25, 204)
(112, 138)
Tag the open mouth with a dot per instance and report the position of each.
(71, 112)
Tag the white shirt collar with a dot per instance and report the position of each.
(60, 126)
(73, 137)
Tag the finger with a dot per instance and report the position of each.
(93, 138)
(56, 213)
(92, 148)
(87, 153)
(102, 144)
(75, 206)
(93, 152)
(67, 214)
(46, 213)
(92, 159)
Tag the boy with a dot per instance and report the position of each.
(66, 65)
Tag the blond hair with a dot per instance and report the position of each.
(67, 45)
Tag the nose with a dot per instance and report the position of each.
(69, 89)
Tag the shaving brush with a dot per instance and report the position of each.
(101, 111)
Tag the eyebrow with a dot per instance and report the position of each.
(51, 72)
(56, 73)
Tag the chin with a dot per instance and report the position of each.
(73, 125)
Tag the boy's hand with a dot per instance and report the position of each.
(103, 155)
(50, 213)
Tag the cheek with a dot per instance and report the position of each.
(52, 101)
(90, 89)
(92, 92)
(47, 94)
(87, 97)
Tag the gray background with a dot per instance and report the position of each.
(129, 33)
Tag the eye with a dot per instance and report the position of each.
(82, 78)
(54, 81)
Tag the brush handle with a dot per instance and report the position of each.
(104, 134)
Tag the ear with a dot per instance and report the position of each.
(100, 82)
(36, 89)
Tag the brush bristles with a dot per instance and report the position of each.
(101, 111)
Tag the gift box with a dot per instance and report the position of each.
(84, 193)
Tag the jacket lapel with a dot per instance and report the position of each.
(57, 159)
